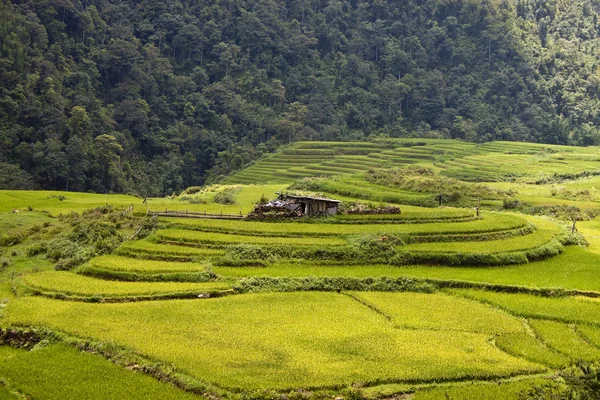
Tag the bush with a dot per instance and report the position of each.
(581, 382)
(192, 190)
(510, 203)
(288, 284)
(224, 197)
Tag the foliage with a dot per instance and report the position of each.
(59, 371)
(68, 283)
(314, 337)
(580, 382)
(149, 98)
(420, 179)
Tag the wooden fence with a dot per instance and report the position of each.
(195, 214)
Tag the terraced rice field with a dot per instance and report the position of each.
(432, 303)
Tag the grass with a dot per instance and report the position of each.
(545, 233)
(563, 309)
(11, 222)
(440, 312)
(590, 333)
(57, 202)
(77, 285)
(507, 390)
(147, 247)
(224, 239)
(526, 345)
(119, 263)
(563, 338)
(59, 372)
(313, 337)
(576, 268)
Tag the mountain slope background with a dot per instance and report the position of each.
(149, 96)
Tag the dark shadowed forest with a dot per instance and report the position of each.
(149, 97)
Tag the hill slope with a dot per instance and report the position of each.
(151, 97)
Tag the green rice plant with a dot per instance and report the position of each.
(107, 274)
(119, 263)
(491, 222)
(562, 309)
(313, 337)
(574, 269)
(59, 372)
(440, 311)
(563, 338)
(506, 390)
(223, 239)
(526, 345)
(516, 243)
(69, 284)
(167, 252)
(590, 333)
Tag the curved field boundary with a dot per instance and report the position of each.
(414, 238)
(67, 284)
(129, 276)
(128, 264)
(225, 239)
(130, 299)
(491, 223)
(547, 250)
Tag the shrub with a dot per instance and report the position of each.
(192, 190)
(224, 197)
(288, 284)
(510, 203)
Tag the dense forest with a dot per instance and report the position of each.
(149, 97)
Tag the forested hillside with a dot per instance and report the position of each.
(149, 96)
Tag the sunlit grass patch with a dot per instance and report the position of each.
(223, 239)
(564, 309)
(59, 372)
(527, 346)
(77, 285)
(119, 263)
(441, 312)
(565, 339)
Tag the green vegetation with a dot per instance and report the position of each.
(433, 301)
(440, 312)
(527, 346)
(60, 372)
(59, 282)
(314, 337)
(563, 309)
(563, 338)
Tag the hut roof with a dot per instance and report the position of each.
(309, 198)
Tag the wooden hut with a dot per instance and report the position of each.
(311, 206)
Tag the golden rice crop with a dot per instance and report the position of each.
(78, 285)
(276, 340)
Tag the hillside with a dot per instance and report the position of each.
(150, 97)
(492, 295)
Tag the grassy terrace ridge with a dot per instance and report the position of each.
(465, 158)
(119, 263)
(58, 282)
(489, 223)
